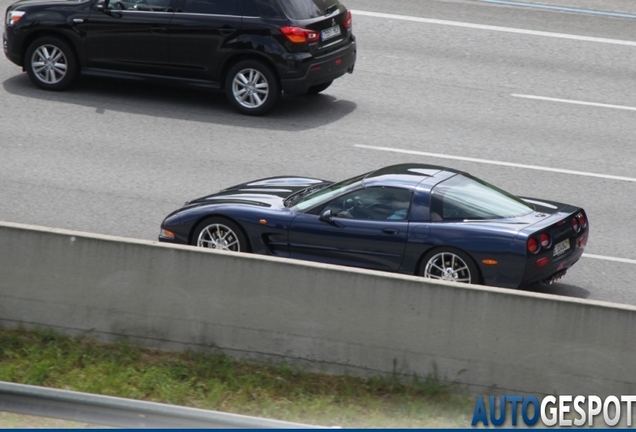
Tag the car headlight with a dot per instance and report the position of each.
(14, 16)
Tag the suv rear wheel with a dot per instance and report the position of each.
(51, 63)
(251, 87)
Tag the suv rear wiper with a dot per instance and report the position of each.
(330, 9)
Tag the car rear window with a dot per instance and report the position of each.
(464, 197)
(307, 9)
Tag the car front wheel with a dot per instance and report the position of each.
(252, 88)
(221, 234)
(451, 265)
(51, 63)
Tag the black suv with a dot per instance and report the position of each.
(251, 49)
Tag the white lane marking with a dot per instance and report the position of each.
(561, 8)
(495, 28)
(493, 162)
(607, 258)
(574, 102)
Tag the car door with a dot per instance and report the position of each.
(201, 35)
(129, 35)
(365, 228)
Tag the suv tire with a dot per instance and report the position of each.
(51, 63)
(252, 87)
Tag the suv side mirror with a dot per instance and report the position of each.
(326, 216)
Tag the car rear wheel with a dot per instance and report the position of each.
(221, 234)
(318, 88)
(252, 88)
(451, 265)
(51, 63)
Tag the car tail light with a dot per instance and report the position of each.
(545, 240)
(576, 225)
(533, 245)
(14, 16)
(582, 220)
(582, 241)
(541, 262)
(348, 22)
(299, 35)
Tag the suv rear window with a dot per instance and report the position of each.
(307, 9)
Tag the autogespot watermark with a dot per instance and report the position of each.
(561, 410)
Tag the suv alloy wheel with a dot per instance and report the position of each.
(252, 87)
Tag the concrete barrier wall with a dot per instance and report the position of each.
(492, 340)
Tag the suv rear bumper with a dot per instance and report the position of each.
(319, 70)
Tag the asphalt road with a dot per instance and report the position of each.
(540, 102)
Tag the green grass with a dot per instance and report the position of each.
(218, 382)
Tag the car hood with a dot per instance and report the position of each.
(269, 191)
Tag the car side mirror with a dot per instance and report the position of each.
(326, 216)
(102, 5)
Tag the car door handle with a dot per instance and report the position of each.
(157, 29)
(390, 231)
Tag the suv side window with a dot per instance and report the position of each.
(213, 7)
(140, 5)
(260, 8)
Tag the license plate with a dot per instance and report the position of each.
(330, 32)
(560, 248)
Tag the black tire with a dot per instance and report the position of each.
(450, 264)
(220, 233)
(252, 87)
(50, 63)
(318, 88)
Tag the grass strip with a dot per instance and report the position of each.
(218, 382)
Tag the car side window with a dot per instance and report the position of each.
(374, 203)
(213, 7)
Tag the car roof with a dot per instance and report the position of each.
(407, 175)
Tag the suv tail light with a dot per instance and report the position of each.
(348, 22)
(299, 35)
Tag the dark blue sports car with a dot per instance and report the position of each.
(414, 219)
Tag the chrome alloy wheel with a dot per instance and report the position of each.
(449, 267)
(49, 64)
(219, 236)
(250, 88)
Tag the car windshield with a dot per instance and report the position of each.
(307, 9)
(326, 194)
(465, 197)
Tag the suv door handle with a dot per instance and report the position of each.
(390, 231)
(226, 31)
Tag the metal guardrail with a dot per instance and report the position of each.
(124, 413)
